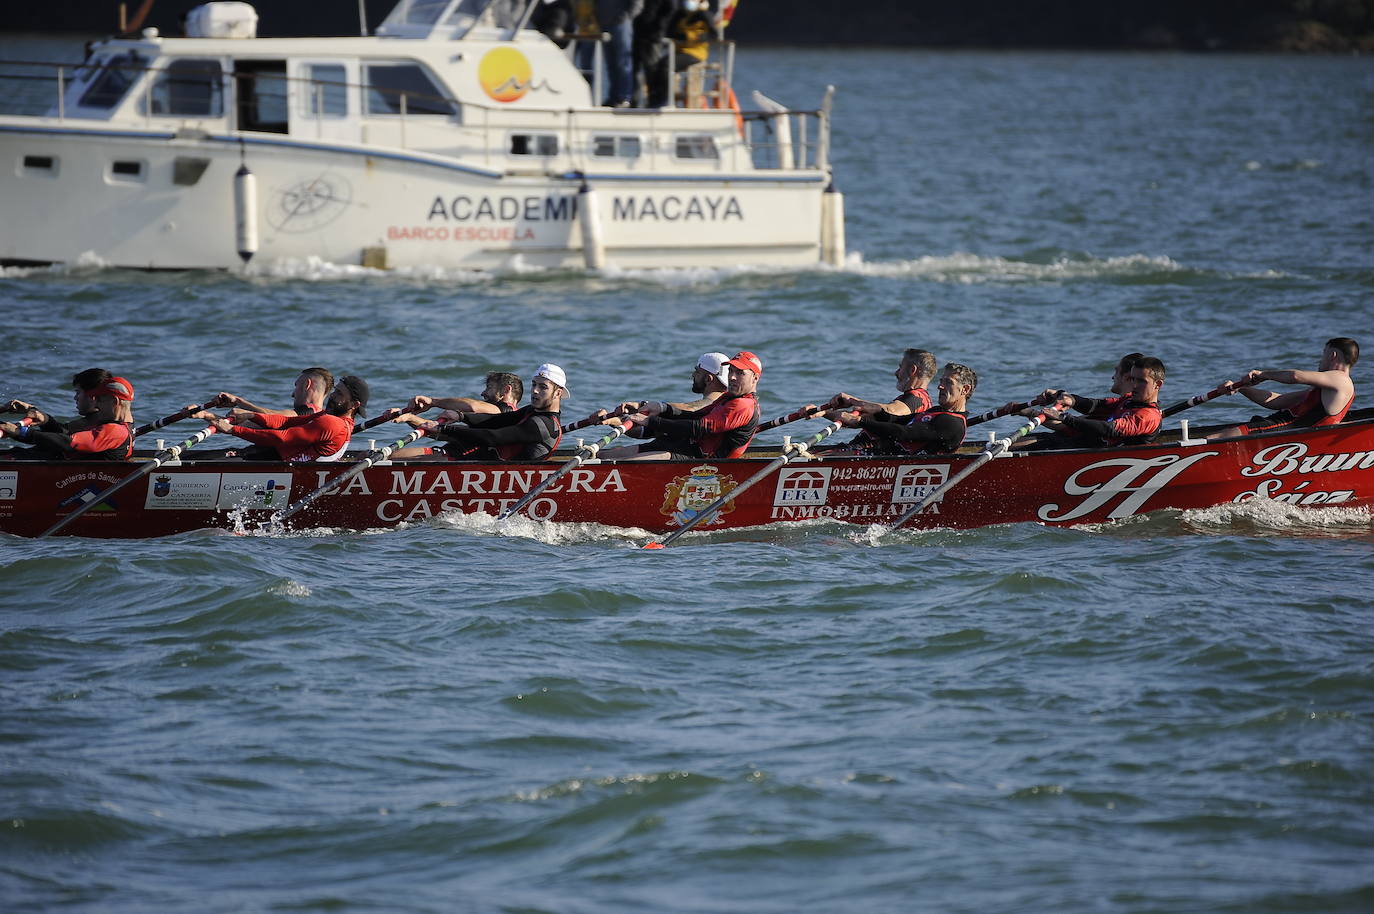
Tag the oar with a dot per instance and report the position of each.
(372, 458)
(586, 453)
(795, 415)
(186, 413)
(792, 450)
(594, 419)
(1220, 390)
(997, 413)
(991, 451)
(158, 460)
(384, 416)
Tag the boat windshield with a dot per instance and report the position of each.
(113, 79)
(422, 17)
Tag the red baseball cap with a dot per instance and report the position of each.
(748, 360)
(119, 388)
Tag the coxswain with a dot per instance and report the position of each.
(103, 431)
(937, 430)
(710, 380)
(1330, 391)
(531, 432)
(308, 395)
(1132, 418)
(319, 436)
(721, 430)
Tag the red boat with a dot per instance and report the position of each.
(1333, 465)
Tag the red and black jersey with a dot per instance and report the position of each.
(298, 438)
(1309, 413)
(933, 431)
(102, 441)
(1127, 422)
(520, 434)
(721, 429)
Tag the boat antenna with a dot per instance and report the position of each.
(362, 18)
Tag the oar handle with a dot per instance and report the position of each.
(998, 413)
(585, 453)
(158, 460)
(387, 415)
(177, 416)
(1221, 390)
(793, 416)
(593, 419)
(787, 454)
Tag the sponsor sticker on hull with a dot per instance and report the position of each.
(9, 485)
(803, 486)
(220, 491)
(915, 481)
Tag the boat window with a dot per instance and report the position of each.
(127, 171)
(327, 90)
(533, 144)
(420, 12)
(627, 147)
(261, 86)
(190, 87)
(696, 147)
(112, 79)
(40, 163)
(389, 84)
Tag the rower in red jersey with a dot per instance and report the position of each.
(710, 380)
(319, 436)
(1330, 391)
(308, 395)
(721, 430)
(914, 373)
(531, 432)
(937, 430)
(104, 430)
(1132, 418)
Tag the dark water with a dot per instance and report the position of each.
(1171, 713)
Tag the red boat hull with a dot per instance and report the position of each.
(1311, 467)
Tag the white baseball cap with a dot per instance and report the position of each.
(554, 374)
(714, 363)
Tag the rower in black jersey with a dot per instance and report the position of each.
(938, 430)
(529, 433)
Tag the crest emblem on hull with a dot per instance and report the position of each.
(687, 496)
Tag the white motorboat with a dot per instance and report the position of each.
(455, 136)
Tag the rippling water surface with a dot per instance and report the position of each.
(1171, 713)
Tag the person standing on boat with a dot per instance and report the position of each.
(307, 398)
(615, 20)
(104, 430)
(938, 430)
(721, 430)
(531, 432)
(319, 436)
(1330, 391)
(1132, 418)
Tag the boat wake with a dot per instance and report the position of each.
(1265, 516)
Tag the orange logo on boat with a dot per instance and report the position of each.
(505, 74)
(687, 496)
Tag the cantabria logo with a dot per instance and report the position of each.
(505, 74)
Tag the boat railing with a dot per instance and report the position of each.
(772, 138)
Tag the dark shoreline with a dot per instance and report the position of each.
(1300, 26)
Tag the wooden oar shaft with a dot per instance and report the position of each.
(153, 426)
(993, 451)
(158, 460)
(790, 417)
(371, 459)
(1220, 390)
(586, 453)
(788, 453)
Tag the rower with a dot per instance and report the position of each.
(531, 432)
(1102, 409)
(914, 373)
(1330, 391)
(720, 430)
(1132, 418)
(501, 393)
(938, 430)
(104, 430)
(319, 436)
(710, 379)
(307, 398)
